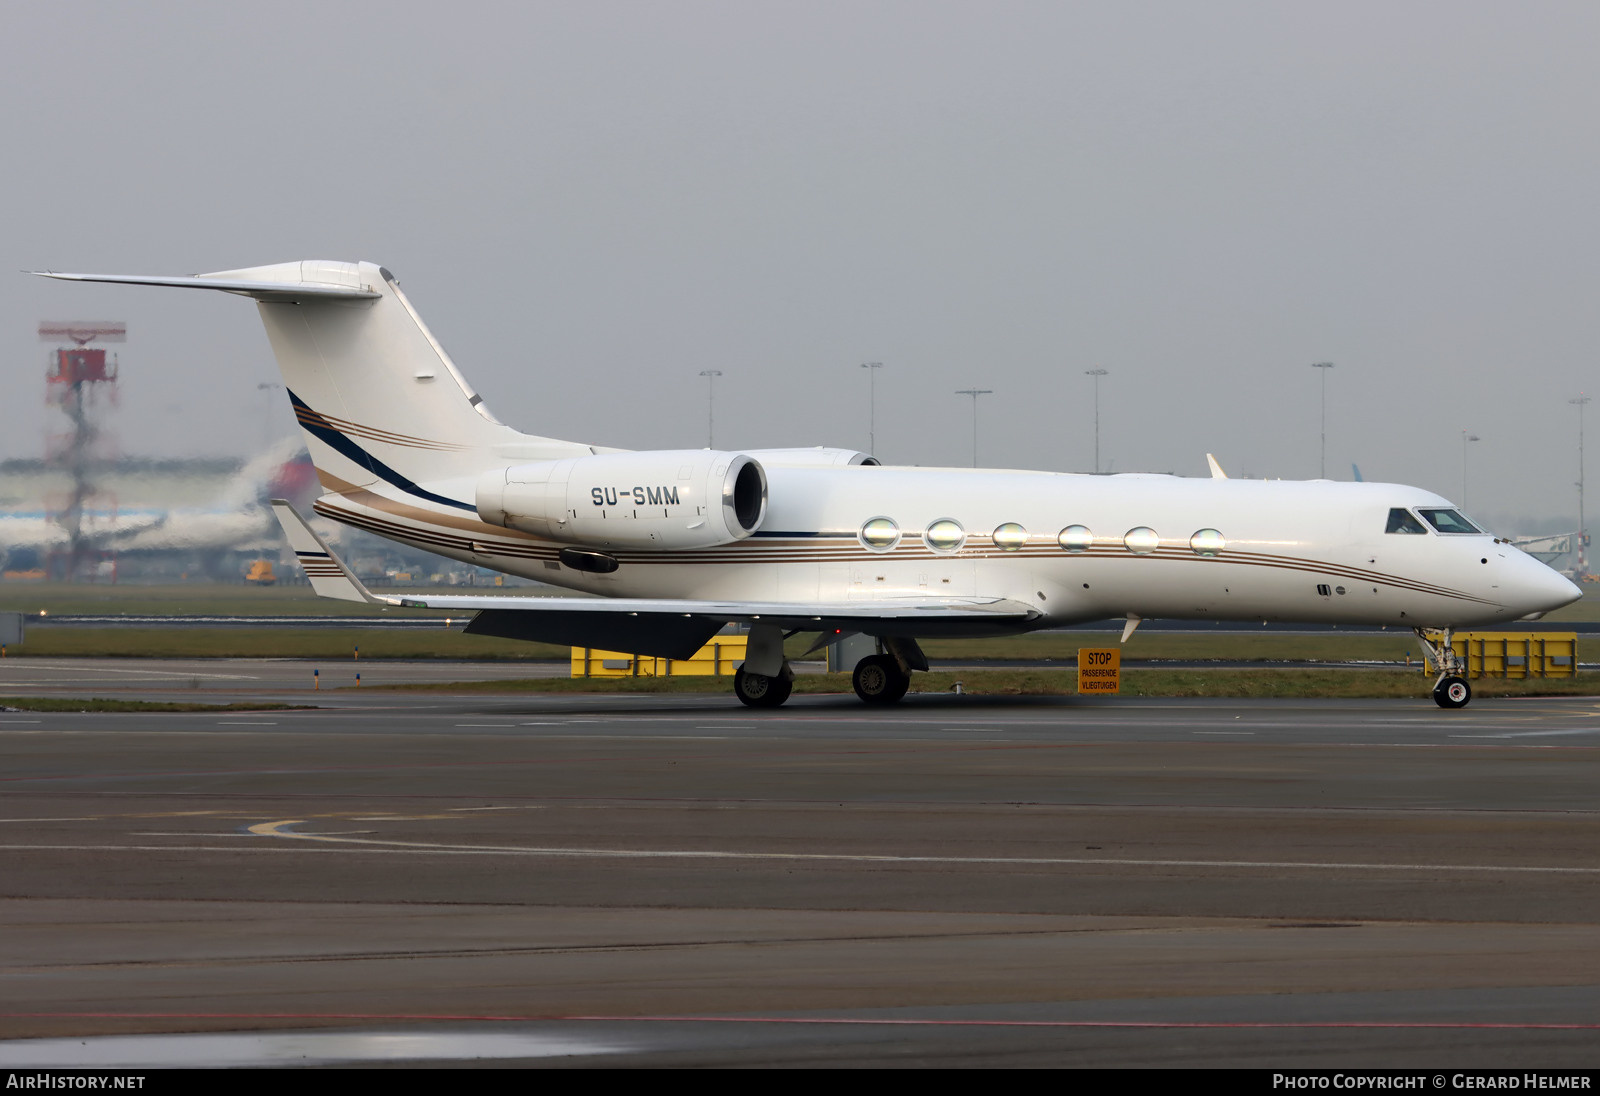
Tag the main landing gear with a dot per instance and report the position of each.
(878, 679)
(1451, 690)
(760, 691)
(765, 680)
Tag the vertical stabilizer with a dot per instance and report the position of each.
(378, 398)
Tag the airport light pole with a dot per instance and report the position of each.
(872, 405)
(974, 393)
(1465, 438)
(1583, 530)
(1096, 374)
(266, 423)
(1323, 367)
(711, 376)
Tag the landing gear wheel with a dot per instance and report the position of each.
(880, 680)
(761, 692)
(1452, 692)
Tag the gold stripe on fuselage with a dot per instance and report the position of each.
(433, 528)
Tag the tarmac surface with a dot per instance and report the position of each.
(676, 880)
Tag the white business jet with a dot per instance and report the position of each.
(680, 543)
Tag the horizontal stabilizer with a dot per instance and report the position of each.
(328, 574)
(260, 290)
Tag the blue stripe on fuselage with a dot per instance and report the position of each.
(318, 427)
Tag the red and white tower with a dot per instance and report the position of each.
(82, 382)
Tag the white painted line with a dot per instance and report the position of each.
(1223, 732)
(664, 737)
(149, 673)
(275, 829)
(1531, 734)
(246, 723)
(297, 1048)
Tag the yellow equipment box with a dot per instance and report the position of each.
(721, 656)
(1513, 654)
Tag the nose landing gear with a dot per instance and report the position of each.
(1451, 690)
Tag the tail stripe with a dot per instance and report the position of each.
(372, 433)
(319, 428)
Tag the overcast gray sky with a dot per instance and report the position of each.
(591, 202)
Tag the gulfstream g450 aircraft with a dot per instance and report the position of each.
(683, 542)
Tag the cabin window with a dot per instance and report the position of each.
(880, 534)
(1010, 537)
(1141, 541)
(1402, 521)
(1448, 521)
(944, 535)
(1208, 542)
(1076, 538)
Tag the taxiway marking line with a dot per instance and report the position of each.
(277, 829)
(144, 673)
(865, 1021)
(1531, 734)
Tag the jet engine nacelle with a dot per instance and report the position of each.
(688, 498)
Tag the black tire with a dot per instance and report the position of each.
(1452, 692)
(761, 692)
(878, 679)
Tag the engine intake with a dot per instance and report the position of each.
(690, 498)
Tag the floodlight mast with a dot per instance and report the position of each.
(1465, 438)
(872, 405)
(711, 376)
(1583, 529)
(1322, 368)
(974, 393)
(1096, 374)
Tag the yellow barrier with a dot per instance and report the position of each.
(721, 656)
(1513, 654)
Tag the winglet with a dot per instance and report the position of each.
(328, 574)
(1216, 469)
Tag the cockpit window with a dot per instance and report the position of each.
(1449, 521)
(1402, 521)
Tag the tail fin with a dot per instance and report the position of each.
(377, 397)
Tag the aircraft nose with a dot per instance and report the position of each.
(1541, 589)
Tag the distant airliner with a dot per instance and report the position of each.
(239, 518)
(683, 542)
